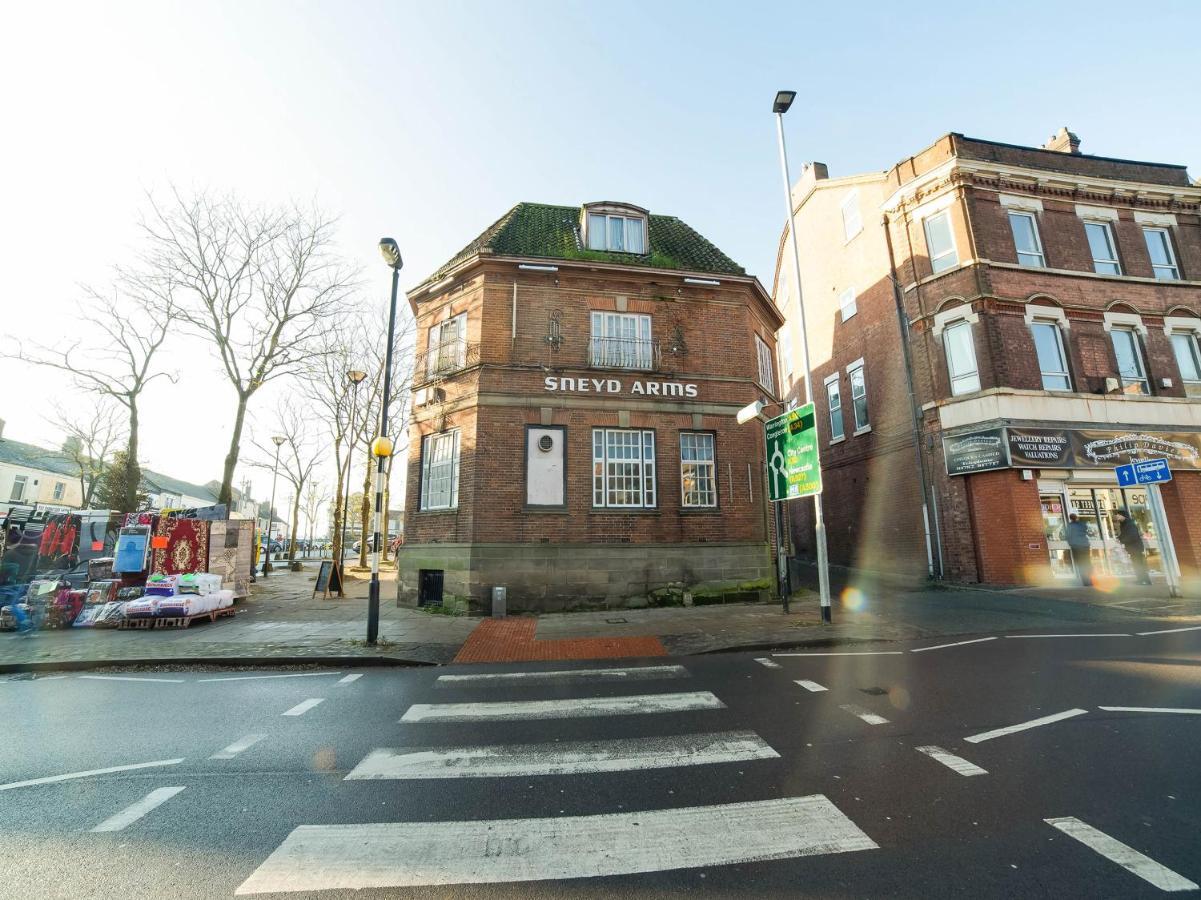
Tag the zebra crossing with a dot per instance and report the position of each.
(604, 841)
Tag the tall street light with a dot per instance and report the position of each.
(381, 447)
(278, 441)
(779, 107)
(355, 377)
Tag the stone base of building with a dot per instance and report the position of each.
(561, 577)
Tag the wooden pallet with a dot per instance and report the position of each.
(141, 624)
(176, 621)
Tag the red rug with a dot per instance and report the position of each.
(187, 547)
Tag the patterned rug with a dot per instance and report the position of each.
(187, 547)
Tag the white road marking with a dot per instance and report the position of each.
(260, 677)
(569, 708)
(72, 775)
(951, 761)
(1170, 630)
(810, 685)
(304, 706)
(866, 715)
(411, 854)
(135, 811)
(767, 663)
(131, 678)
(347, 679)
(1024, 636)
(847, 653)
(567, 758)
(238, 746)
(635, 673)
(1022, 726)
(1125, 856)
(956, 644)
(1152, 709)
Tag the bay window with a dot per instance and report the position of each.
(1052, 360)
(940, 242)
(961, 358)
(440, 470)
(1131, 371)
(447, 347)
(1188, 360)
(766, 374)
(623, 468)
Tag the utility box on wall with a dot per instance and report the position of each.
(545, 473)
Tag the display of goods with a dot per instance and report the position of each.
(8, 622)
(199, 583)
(102, 592)
(109, 614)
(231, 553)
(225, 598)
(140, 609)
(42, 590)
(64, 608)
(134, 592)
(162, 586)
(100, 569)
(86, 617)
(186, 548)
(133, 546)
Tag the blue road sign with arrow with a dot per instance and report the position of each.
(1143, 471)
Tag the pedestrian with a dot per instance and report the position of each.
(1130, 538)
(1078, 547)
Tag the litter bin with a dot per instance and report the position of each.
(499, 596)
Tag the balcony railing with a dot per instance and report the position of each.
(443, 360)
(623, 353)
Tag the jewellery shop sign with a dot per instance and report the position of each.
(1067, 448)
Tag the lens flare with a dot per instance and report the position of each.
(853, 598)
(898, 697)
(1106, 583)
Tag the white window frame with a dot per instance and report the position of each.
(1192, 386)
(603, 466)
(429, 447)
(60, 490)
(847, 305)
(835, 409)
(1173, 265)
(1143, 380)
(1107, 228)
(20, 484)
(1054, 324)
(1032, 218)
(936, 266)
(444, 354)
(630, 225)
(705, 477)
(767, 377)
(857, 369)
(852, 220)
(611, 347)
(967, 381)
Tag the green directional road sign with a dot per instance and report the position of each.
(793, 469)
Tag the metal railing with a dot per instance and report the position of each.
(443, 360)
(623, 353)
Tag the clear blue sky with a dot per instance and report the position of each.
(426, 121)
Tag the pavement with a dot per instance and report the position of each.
(1027, 764)
(282, 621)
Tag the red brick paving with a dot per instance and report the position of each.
(512, 640)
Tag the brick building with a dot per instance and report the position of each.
(573, 440)
(993, 328)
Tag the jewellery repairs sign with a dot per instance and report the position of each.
(1069, 448)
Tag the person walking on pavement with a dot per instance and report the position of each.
(1078, 547)
(1130, 538)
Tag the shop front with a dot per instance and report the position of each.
(1096, 503)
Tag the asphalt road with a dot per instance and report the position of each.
(717, 775)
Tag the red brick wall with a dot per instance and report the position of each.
(1007, 521)
(1182, 503)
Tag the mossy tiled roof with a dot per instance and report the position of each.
(542, 231)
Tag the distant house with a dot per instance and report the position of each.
(31, 476)
(166, 492)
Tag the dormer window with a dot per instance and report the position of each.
(617, 229)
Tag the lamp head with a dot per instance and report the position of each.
(783, 101)
(381, 446)
(390, 252)
(751, 412)
(356, 376)
(279, 439)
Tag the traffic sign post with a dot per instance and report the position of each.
(1152, 473)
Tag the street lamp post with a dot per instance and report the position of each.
(355, 377)
(381, 447)
(278, 441)
(779, 107)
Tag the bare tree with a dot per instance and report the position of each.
(261, 285)
(298, 458)
(315, 496)
(118, 361)
(90, 439)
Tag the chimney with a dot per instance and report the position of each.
(813, 171)
(1063, 141)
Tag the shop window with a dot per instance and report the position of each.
(18, 490)
(766, 375)
(961, 358)
(834, 403)
(447, 347)
(623, 468)
(1163, 258)
(60, 490)
(618, 234)
(1103, 248)
(1131, 371)
(858, 396)
(440, 470)
(940, 242)
(1052, 360)
(1026, 240)
(621, 341)
(1188, 360)
(698, 470)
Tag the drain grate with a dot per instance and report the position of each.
(617, 621)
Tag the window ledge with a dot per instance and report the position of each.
(623, 511)
(838, 440)
(546, 510)
(864, 430)
(436, 512)
(700, 510)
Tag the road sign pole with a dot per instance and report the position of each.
(1167, 550)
